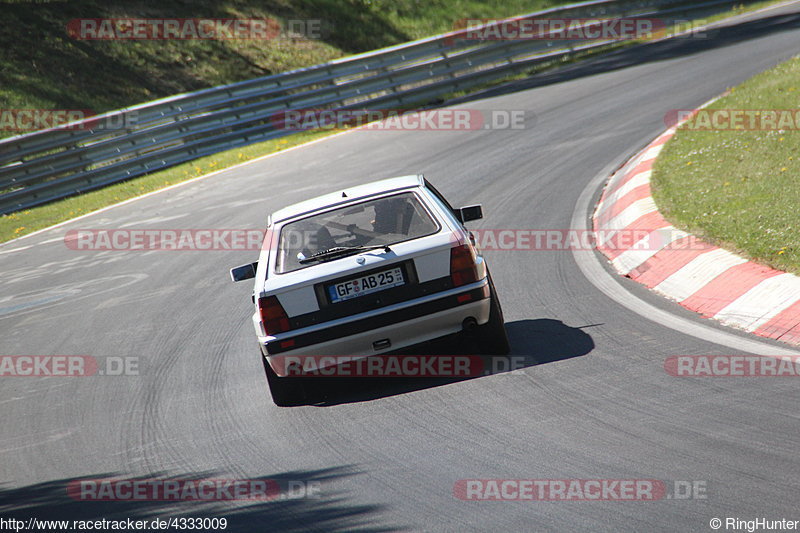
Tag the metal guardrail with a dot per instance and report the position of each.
(42, 166)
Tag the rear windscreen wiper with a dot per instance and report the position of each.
(337, 251)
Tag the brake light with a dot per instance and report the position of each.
(463, 266)
(273, 316)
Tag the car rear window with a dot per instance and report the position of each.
(386, 220)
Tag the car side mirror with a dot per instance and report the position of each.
(470, 212)
(244, 272)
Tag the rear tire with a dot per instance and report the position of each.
(492, 336)
(286, 391)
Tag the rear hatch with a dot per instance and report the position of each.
(365, 282)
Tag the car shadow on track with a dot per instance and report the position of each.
(294, 501)
(533, 342)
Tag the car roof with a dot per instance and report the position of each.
(347, 195)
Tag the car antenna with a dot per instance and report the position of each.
(344, 194)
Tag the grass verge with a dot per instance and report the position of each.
(739, 188)
(43, 66)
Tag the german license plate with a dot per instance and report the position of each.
(366, 285)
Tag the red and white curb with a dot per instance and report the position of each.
(703, 278)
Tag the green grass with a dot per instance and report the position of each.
(42, 67)
(739, 189)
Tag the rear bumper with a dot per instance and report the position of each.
(414, 322)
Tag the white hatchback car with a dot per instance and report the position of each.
(367, 270)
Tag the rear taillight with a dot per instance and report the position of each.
(463, 265)
(273, 316)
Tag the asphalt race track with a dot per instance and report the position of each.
(593, 400)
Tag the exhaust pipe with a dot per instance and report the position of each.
(469, 324)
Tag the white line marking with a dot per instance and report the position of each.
(697, 273)
(630, 259)
(760, 304)
(652, 153)
(630, 214)
(642, 178)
